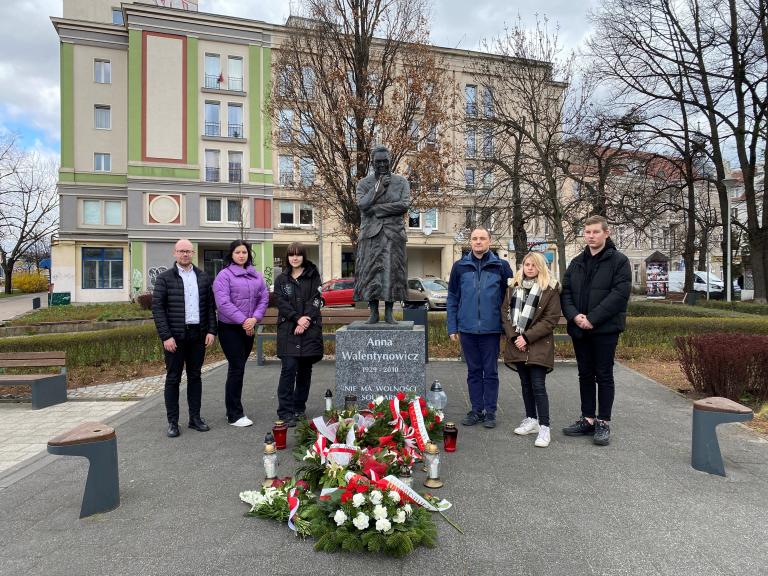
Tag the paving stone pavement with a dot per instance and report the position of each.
(634, 507)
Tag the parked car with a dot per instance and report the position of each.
(716, 286)
(338, 292)
(430, 291)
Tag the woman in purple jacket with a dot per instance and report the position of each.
(241, 299)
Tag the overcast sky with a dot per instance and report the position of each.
(29, 65)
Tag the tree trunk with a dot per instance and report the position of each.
(758, 246)
(8, 271)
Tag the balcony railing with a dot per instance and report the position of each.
(211, 174)
(471, 109)
(235, 130)
(234, 83)
(213, 128)
(286, 179)
(235, 175)
(212, 81)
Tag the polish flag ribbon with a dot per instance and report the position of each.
(293, 508)
(327, 430)
(417, 421)
(406, 492)
(321, 447)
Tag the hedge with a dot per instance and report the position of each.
(736, 306)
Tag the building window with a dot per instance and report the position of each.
(212, 119)
(488, 179)
(102, 117)
(471, 142)
(349, 133)
(235, 73)
(735, 214)
(636, 273)
(284, 126)
(284, 81)
(117, 16)
(307, 171)
(306, 214)
(234, 120)
(213, 76)
(488, 142)
(211, 165)
(665, 238)
(235, 167)
(488, 111)
(102, 71)
(285, 164)
(102, 162)
(413, 131)
(470, 95)
(308, 81)
(307, 131)
(469, 177)
(425, 219)
(414, 219)
(432, 136)
(102, 268)
(430, 218)
(286, 213)
(102, 212)
(217, 208)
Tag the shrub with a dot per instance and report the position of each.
(29, 282)
(666, 309)
(745, 307)
(144, 300)
(729, 365)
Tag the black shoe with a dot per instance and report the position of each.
(602, 433)
(581, 427)
(197, 423)
(490, 420)
(290, 422)
(173, 430)
(473, 418)
(300, 416)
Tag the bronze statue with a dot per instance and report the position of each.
(381, 266)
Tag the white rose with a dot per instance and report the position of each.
(379, 511)
(378, 400)
(361, 521)
(358, 500)
(340, 517)
(399, 518)
(407, 508)
(382, 525)
(394, 496)
(376, 497)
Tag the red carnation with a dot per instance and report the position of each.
(302, 486)
(361, 488)
(422, 403)
(371, 405)
(401, 396)
(346, 497)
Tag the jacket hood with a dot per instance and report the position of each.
(607, 250)
(310, 270)
(469, 257)
(236, 270)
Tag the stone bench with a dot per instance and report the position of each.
(47, 389)
(708, 413)
(98, 443)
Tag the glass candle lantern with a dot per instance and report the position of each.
(328, 400)
(432, 459)
(449, 437)
(280, 430)
(436, 397)
(350, 402)
(405, 475)
(269, 459)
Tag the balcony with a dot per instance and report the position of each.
(235, 175)
(211, 174)
(286, 178)
(214, 82)
(235, 130)
(235, 84)
(213, 128)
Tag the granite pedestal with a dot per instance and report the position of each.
(379, 360)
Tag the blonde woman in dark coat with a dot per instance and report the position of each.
(530, 312)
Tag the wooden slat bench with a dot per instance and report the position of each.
(330, 316)
(47, 389)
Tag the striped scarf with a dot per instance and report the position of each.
(525, 306)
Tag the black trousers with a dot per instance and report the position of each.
(594, 356)
(190, 353)
(533, 384)
(237, 346)
(293, 389)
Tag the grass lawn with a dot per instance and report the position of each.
(4, 295)
(111, 311)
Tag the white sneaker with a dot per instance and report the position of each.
(242, 423)
(527, 426)
(542, 440)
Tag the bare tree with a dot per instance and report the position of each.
(715, 51)
(28, 209)
(352, 74)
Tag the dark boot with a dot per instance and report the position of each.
(388, 318)
(374, 317)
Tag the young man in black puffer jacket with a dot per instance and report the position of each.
(594, 300)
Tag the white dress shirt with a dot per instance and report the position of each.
(191, 295)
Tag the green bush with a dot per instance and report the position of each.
(736, 306)
(113, 311)
(653, 308)
(115, 346)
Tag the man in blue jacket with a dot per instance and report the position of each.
(475, 293)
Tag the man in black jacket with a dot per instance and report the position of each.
(185, 317)
(594, 300)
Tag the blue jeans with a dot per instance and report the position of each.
(532, 381)
(481, 351)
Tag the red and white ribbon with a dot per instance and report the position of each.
(321, 447)
(417, 422)
(407, 493)
(327, 430)
(293, 508)
(342, 454)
